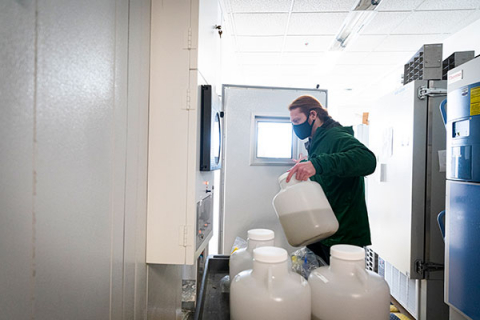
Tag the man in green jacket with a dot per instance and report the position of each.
(338, 162)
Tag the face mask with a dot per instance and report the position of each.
(303, 130)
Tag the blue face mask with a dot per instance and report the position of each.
(303, 130)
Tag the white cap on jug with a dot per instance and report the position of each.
(270, 254)
(261, 234)
(347, 252)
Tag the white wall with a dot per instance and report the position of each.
(73, 159)
(464, 40)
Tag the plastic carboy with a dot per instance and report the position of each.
(242, 259)
(345, 290)
(304, 211)
(270, 290)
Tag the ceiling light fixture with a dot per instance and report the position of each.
(359, 17)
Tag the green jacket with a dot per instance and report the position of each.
(341, 162)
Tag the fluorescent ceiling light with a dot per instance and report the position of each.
(363, 5)
(359, 17)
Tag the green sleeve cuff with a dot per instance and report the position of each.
(317, 164)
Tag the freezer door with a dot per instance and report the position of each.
(396, 195)
(462, 222)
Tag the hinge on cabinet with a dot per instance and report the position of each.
(188, 100)
(424, 92)
(422, 267)
(189, 39)
(183, 236)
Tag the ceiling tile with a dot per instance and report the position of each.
(260, 6)
(260, 24)
(338, 78)
(395, 5)
(352, 58)
(430, 22)
(388, 58)
(341, 71)
(360, 70)
(259, 58)
(298, 82)
(323, 5)
(316, 23)
(449, 4)
(263, 71)
(409, 42)
(259, 75)
(365, 43)
(264, 81)
(384, 22)
(260, 44)
(296, 70)
(263, 76)
(308, 43)
(301, 58)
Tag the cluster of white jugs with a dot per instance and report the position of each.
(263, 286)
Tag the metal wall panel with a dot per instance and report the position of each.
(135, 269)
(76, 230)
(119, 140)
(17, 67)
(74, 140)
(164, 291)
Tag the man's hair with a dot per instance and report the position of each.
(308, 103)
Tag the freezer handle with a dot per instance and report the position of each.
(441, 223)
(443, 111)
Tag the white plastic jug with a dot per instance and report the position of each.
(304, 211)
(242, 259)
(345, 290)
(270, 290)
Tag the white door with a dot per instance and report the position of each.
(249, 181)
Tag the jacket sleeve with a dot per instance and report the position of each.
(349, 158)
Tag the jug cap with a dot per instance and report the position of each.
(270, 254)
(261, 234)
(347, 252)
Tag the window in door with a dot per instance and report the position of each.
(273, 141)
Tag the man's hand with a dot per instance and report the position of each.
(303, 171)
